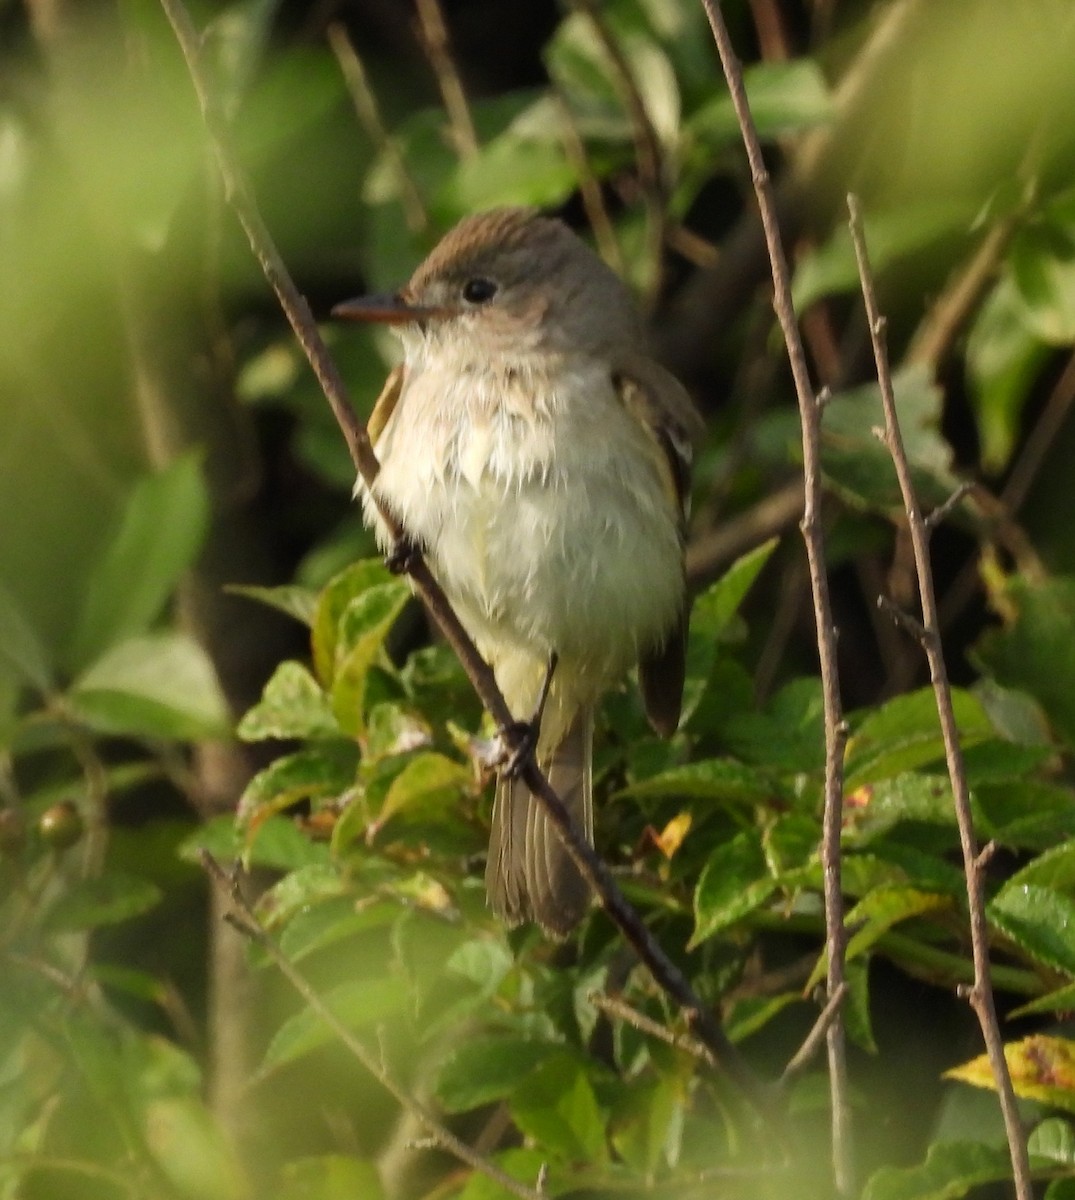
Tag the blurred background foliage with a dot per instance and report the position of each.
(167, 466)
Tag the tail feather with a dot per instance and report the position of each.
(530, 874)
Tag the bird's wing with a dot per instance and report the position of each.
(663, 408)
(386, 404)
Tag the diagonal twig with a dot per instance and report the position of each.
(665, 972)
(980, 994)
(813, 536)
(243, 918)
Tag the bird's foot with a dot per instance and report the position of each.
(403, 556)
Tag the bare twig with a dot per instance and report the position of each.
(665, 972)
(708, 554)
(981, 994)
(589, 188)
(802, 1057)
(242, 916)
(1040, 440)
(813, 536)
(649, 153)
(438, 50)
(369, 116)
(616, 1006)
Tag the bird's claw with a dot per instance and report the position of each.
(402, 557)
(519, 743)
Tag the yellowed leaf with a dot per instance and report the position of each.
(1042, 1068)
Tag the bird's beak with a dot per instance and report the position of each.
(388, 310)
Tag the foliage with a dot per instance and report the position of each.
(366, 821)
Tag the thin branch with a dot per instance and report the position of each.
(713, 550)
(589, 187)
(664, 971)
(438, 50)
(1040, 440)
(649, 154)
(813, 536)
(243, 918)
(368, 112)
(981, 994)
(616, 1006)
(802, 1057)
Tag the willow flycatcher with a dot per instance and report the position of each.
(541, 460)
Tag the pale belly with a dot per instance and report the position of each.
(548, 532)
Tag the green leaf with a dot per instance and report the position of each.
(291, 706)
(897, 234)
(1039, 921)
(1035, 651)
(710, 779)
(20, 646)
(357, 1004)
(363, 627)
(1003, 359)
(950, 1171)
(319, 773)
(734, 882)
(520, 1163)
(291, 599)
(191, 1149)
(1041, 258)
(159, 685)
(326, 917)
(556, 1106)
(1054, 869)
(711, 614)
(784, 98)
(1030, 814)
(162, 529)
(755, 1012)
(1059, 1001)
(106, 899)
(513, 170)
(873, 809)
(333, 601)
(789, 735)
(1053, 1139)
(480, 1071)
(877, 913)
(859, 467)
(329, 1177)
(905, 733)
(428, 783)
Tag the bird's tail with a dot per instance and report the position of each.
(530, 875)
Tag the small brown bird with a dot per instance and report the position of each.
(541, 460)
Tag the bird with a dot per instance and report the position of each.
(540, 459)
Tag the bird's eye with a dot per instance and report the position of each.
(479, 290)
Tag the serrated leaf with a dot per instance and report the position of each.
(332, 603)
(160, 685)
(357, 1004)
(874, 915)
(315, 774)
(291, 706)
(483, 1070)
(905, 733)
(873, 809)
(363, 627)
(1042, 1068)
(428, 782)
(788, 736)
(107, 899)
(1053, 868)
(1039, 920)
(162, 528)
(711, 779)
(734, 882)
